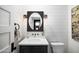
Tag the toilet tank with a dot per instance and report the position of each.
(57, 47)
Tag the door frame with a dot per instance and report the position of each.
(7, 30)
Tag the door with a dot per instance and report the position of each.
(5, 31)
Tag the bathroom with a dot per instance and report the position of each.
(55, 29)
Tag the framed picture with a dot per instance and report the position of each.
(75, 23)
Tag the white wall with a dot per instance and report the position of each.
(73, 46)
(56, 26)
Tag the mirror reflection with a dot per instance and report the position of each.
(35, 21)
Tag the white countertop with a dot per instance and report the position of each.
(34, 41)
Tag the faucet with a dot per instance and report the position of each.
(34, 34)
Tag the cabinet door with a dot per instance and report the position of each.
(5, 30)
(34, 49)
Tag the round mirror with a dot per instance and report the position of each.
(35, 17)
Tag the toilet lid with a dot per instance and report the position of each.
(57, 43)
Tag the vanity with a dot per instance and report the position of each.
(33, 45)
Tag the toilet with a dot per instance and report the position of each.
(57, 47)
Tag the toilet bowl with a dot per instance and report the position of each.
(57, 47)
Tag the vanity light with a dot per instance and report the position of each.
(24, 16)
(45, 16)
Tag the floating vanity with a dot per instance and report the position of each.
(33, 45)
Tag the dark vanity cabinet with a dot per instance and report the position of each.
(34, 24)
(33, 48)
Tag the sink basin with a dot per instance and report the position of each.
(34, 39)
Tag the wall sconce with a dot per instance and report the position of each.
(45, 16)
(24, 16)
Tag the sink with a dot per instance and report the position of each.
(34, 39)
